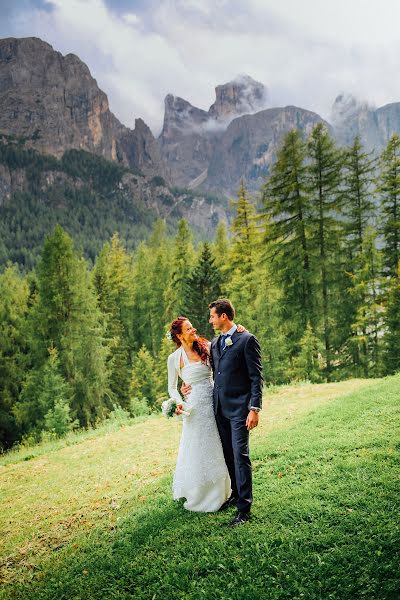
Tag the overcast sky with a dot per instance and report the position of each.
(305, 51)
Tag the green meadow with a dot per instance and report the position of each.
(91, 516)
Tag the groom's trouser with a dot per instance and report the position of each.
(235, 443)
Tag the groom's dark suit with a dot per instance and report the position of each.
(238, 384)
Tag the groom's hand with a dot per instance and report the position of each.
(252, 420)
(186, 389)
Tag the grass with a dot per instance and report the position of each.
(96, 519)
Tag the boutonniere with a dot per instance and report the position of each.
(228, 341)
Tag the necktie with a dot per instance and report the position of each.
(222, 341)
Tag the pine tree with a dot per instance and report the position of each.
(113, 277)
(269, 326)
(152, 275)
(143, 264)
(45, 399)
(287, 240)
(307, 364)
(389, 187)
(244, 256)
(358, 206)
(58, 419)
(67, 317)
(392, 321)
(220, 248)
(183, 258)
(245, 236)
(324, 178)
(55, 397)
(145, 385)
(366, 293)
(358, 211)
(202, 286)
(14, 298)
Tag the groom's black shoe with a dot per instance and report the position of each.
(228, 503)
(239, 519)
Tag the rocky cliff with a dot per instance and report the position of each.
(190, 134)
(241, 96)
(375, 126)
(54, 102)
(248, 146)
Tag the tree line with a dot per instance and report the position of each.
(312, 266)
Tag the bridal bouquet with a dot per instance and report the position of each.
(168, 408)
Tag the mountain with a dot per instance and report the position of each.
(190, 135)
(375, 126)
(241, 96)
(248, 146)
(54, 103)
(214, 149)
(64, 157)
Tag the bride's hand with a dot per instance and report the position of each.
(186, 389)
(241, 328)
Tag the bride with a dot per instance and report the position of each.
(201, 475)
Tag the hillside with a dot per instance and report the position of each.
(91, 198)
(92, 516)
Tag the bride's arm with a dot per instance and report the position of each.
(173, 380)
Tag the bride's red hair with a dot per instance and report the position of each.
(200, 345)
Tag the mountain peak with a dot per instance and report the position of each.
(237, 97)
(345, 107)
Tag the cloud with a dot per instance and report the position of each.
(139, 51)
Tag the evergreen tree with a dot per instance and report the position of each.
(67, 317)
(244, 257)
(142, 268)
(392, 321)
(145, 385)
(113, 277)
(45, 397)
(220, 248)
(183, 258)
(287, 240)
(14, 297)
(269, 326)
(366, 291)
(307, 364)
(358, 206)
(245, 236)
(58, 419)
(152, 275)
(324, 178)
(389, 187)
(202, 286)
(358, 211)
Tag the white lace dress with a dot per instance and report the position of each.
(201, 475)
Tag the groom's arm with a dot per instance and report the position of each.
(252, 354)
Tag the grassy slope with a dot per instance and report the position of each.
(96, 520)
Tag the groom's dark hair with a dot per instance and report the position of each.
(223, 305)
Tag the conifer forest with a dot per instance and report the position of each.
(311, 263)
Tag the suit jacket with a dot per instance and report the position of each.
(238, 376)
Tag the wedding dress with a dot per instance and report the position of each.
(201, 475)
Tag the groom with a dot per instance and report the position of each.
(238, 385)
